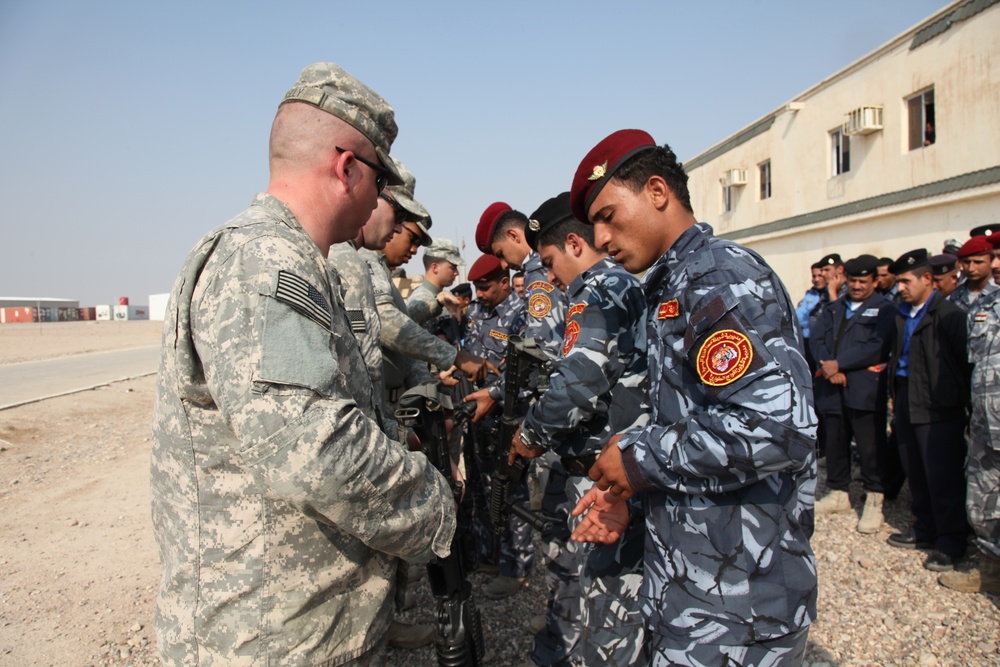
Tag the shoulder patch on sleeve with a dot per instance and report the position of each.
(303, 298)
(542, 285)
(569, 338)
(539, 305)
(575, 309)
(724, 357)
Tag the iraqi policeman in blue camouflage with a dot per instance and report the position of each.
(427, 301)
(726, 468)
(597, 389)
(975, 256)
(983, 463)
(279, 506)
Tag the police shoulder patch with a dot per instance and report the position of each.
(575, 309)
(539, 305)
(541, 285)
(724, 357)
(569, 338)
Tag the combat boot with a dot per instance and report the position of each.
(503, 587)
(871, 516)
(984, 579)
(405, 636)
(834, 502)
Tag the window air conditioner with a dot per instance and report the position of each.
(734, 177)
(863, 120)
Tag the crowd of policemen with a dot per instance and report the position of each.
(905, 364)
(670, 436)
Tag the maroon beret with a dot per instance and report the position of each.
(486, 266)
(601, 163)
(977, 245)
(994, 240)
(487, 221)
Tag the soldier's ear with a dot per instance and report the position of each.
(658, 192)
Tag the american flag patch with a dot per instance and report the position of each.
(303, 298)
(357, 319)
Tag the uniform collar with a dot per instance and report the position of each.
(689, 241)
(602, 265)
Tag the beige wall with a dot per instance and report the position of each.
(962, 65)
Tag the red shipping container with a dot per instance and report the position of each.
(17, 315)
(88, 313)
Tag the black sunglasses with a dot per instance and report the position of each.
(399, 212)
(381, 173)
(415, 239)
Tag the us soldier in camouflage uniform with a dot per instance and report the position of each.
(280, 508)
(598, 388)
(727, 467)
(983, 467)
(441, 262)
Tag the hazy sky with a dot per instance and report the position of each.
(129, 129)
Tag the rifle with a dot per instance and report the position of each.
(523, 356)
(459, 626)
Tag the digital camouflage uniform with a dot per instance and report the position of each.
(279, 507)
(487, 337)
(545, 307)
(728, 463)
(404, 342)
(597, 389)
(983, 467)
(423, 305)
(967, 299)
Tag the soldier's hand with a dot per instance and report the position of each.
(484, 403)
(451, 302)
(518, 448)
(447, 378)
(475, 367)
(606, 519)
(609, 472)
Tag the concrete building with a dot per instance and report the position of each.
(898, 150)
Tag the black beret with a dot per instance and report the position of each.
(986, 230)
(915, 259)
(862, 265)
(463, 290)
(833, 259)
(942, 264)
(548, 215)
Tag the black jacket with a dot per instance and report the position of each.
(938, 368)
(861, 347)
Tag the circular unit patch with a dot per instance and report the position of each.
(539, 305)
(724, 357)
(572, 333)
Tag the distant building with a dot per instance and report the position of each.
(37, 309)
(896, 151)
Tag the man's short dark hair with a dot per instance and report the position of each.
(557, 233)
(816, 266)
(508, 220)
(884, 261)
(659, 161)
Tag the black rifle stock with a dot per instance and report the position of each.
(459, 626)
(523, 356)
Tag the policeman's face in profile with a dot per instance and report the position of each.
(491, 292)
(946, 283)
(818, 280)
(915, 288)
(996, 267)
(830, 272)
(977, 267)
(860, 288)
(885, 279)
(508, 251)
(629, 226)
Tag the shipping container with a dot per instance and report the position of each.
(105, 312)
(87, 313)
(68, 314)
(8, 315)
(131, 312)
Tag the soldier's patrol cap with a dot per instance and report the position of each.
(463, 290)
(330, 87)
(833, 259)
(548, 215)
(402, 194)
(861, 266)
(442, 248)
(986, 230)
(977, 245)
(487, 221)
(486, 267)
(915, 259)
(943, 263)
(601, 163)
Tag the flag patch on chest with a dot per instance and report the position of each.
(668, 310)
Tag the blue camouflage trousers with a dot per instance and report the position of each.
(983, 472)
(787, 651)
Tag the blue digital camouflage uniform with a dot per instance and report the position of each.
(279, 507)
(489, 329)
(597, 389)
(966, 299)
(983, 467)
(545, 307)
(728, 463)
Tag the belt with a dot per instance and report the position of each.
(392, 395)
(578, 466)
